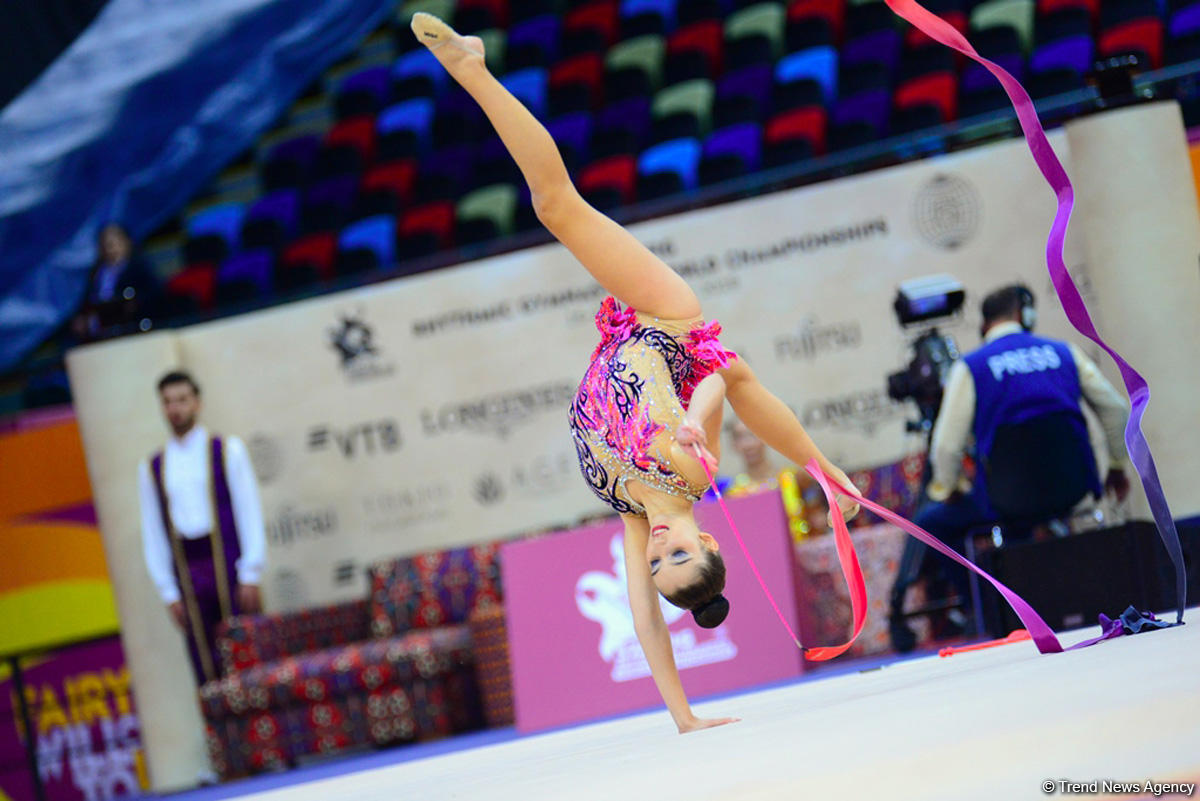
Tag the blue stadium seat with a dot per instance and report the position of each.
(414, 115)
(1073, 53)
(420, 63)
(530, 87)
(663, 8)
(375, 234)
(743, 140)
(255, 268)
(544, 31)
(681, 156)
(817, 63)
(224, 221)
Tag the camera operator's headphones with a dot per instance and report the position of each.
(1028, 312)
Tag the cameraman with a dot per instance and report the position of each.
(1013, 378)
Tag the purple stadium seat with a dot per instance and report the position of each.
(255, 267)
(632, 114)
(743, 140)
(283, 206)
(1184, 21)
(544, 31)
(976, 77)
(872, 107)
(1075, 53)
(882, 46)
(753, 81)
(375, 80)
(327, 204)
(453, 161)
(573, 131)
(288, 163)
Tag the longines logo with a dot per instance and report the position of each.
(292, 525)
(863, 411)
(947, 211)
(354, 342)
(360, 439)
(265, 456)
(498, 414)
(812, 338)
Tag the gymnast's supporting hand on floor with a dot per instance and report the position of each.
(650, 404)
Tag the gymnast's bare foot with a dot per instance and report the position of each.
(435, 34)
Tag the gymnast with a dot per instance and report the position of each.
(649, 407)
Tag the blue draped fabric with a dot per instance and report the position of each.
(135, 117)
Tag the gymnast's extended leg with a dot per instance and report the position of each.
(621, 264)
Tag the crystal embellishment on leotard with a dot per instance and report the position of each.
(615, 417)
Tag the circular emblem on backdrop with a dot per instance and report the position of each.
(947, 211)
(488, 489)
(265, 456)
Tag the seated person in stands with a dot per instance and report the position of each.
(121, 290)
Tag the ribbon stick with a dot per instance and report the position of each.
(1072, 302)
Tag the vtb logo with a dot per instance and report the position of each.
(371, 438)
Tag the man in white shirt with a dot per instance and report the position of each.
(202, 525)
(1015, 377)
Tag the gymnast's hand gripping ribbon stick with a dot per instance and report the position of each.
(1052, 169)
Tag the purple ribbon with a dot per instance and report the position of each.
(1072, 302)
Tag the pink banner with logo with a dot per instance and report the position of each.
(88, 739)
(575, 655)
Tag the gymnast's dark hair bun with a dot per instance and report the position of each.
(711, 613)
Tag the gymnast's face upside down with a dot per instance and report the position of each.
(686, 564)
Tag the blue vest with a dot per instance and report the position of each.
(1019, 377)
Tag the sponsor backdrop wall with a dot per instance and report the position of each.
(431, 411)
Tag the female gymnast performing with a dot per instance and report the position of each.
(650, 404)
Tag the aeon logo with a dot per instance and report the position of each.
(604, 598)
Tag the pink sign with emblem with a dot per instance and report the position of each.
(575, 655)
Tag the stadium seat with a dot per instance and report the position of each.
(806, 32)
(224, 220)
(869, 17)
(1000, 44)
(981, 100)
(743, 140)
(926, 59)
(314, 252)
(818, 63)
(645, 53)
(358, 133)
(706, 36)
(749, 50)
(614, 172)
(271, 220)
(253, 270)
(799, 93)
(1016, 13)
(572, 133)
(395, 177)
(753, 82)
(949, 11)
(763, 19)
(1050, 6)
(586, 69)
(808, 124)
(936, 88)
(631, 114)
(1183, 49)
(686, 65)
(665, 9)
(656, 185)
(642, 25)
(327, 204)
(583, 40)
(496, 203)
(366, 245)
(530, 87)
(363, 92)
(435, 218)
(786, 152)
(1075, 53)
(600, 16)
(1135, 36)
(832, 11)
(191, 290)
(1063, 23)
(287, 164)
(1184, 21)
(871, 107)
(1115, 12)
(917, 117)
(882, 46)
(680, 156)
(693, 97)
(544, 32)
(420, 63)
(856, 78)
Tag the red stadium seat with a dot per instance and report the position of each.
(707, 36)
(196, 283)
(396, 177)
(1046, 6)
(807, 123)
(435, 218)
(587, 68)
(315, 250)
(356, 132)
(834, 11)
(600, 16)
(915, 38)
(498, 8)
(614, 172)
(1141, 35)
(936, 88)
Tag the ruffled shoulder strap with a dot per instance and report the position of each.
(703, 345)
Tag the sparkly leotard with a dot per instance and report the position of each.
(634, 396)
